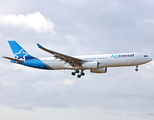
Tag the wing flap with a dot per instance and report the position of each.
(68, 59)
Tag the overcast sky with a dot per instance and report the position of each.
(77, 27)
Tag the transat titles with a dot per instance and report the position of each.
(124, 55)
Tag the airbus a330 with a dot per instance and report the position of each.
(59, 61)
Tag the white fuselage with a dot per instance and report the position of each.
(59, 61)
(105, 60)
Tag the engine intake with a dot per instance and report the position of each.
(99, 70)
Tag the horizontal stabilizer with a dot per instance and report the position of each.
(16, 60)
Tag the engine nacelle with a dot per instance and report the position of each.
(99, 70)
(91, 65)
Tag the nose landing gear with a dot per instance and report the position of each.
(136, 68)
(80, 74)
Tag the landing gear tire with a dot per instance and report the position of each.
(78, 76)
(77, 71)
(136, 70)
(82, 73)
(73, 73)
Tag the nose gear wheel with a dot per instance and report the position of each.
(136, 68)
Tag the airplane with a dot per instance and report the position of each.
(59, 61)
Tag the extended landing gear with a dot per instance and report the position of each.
(76, 71)
(80, 74)
(136, 68)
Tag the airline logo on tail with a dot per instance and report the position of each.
(21, 54)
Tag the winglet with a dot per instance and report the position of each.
(39, 45)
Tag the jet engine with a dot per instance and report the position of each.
(99, 70)
(91, 65)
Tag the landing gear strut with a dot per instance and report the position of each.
(136, 68)
(76, 71)
(80, 74)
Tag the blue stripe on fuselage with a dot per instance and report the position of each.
(35, 62)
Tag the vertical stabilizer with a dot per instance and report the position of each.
(18, 51)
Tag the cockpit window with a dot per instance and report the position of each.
(146, 56)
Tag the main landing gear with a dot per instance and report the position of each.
(136, 68)
(79, 74)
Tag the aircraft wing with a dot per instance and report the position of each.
(16, 60)
(68, 59)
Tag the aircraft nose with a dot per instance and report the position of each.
(150, 58)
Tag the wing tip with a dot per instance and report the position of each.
(39, 45)
(3, 56)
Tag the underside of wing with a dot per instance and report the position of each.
(68, 59)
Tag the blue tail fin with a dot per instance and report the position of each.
(18, 51)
